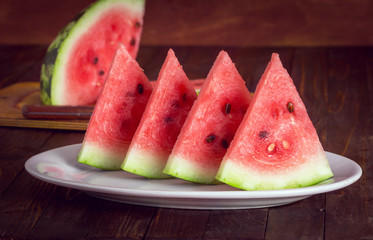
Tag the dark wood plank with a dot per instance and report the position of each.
(256, 23)
(127, 221)
(214, 22)
(17, 145)
(237, 224)
(73, 214)
(197, 61)
(25, 198)
(32, 23)
(22, 204)
(300, 220)
(251, 62)
(154, 62)
(63, 215)
(208, 224)
(350, 210)
(146, 57)
(20, 63)
(178, 224)
(3, 131)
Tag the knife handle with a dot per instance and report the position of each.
(57, 112)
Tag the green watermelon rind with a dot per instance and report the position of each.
(96, 156)
(144, 163)
(182, 168)
(52, 72)
(313, 171)
(48, 66)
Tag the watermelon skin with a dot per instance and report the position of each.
(77, 61)
(117, 113)
(210, 125)
(276, 145)
(165, 114)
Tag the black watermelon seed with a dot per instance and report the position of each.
(167, 119)
(133, 42)
(227, 108)
(184, 97)
(101, 72)
(140, 88)
(95, 60)
(290, 107)
(225, 144)
(210, 138)
(137, 24)
(263, 134)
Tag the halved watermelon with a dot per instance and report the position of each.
(78, 60)
(276, 146)
(117, 113)
(211, 124)
(165, 114)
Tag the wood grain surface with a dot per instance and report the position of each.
(336, 86)
(212, 22)
(12, 100)
(20, 106)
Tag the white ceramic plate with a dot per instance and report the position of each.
(59, 166)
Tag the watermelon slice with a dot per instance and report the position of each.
(276, 146)
(211, 124)
(117, 113)
(78, 60)
(167, 109)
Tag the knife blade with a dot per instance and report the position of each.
(57, 112)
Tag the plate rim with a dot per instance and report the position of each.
(221, 194)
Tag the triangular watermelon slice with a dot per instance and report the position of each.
(165, 114)
(276, 146)
(117, 113)
(211, 124)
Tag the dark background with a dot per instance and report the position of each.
(208, 22)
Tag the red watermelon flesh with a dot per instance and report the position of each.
(276, 145)
(166, 111)
(117, 113)
(88, 67)
(210, 125)
(77, 62)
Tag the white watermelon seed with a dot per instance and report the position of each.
(285, 144)
(271, 147)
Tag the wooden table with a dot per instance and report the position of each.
(336, 85)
